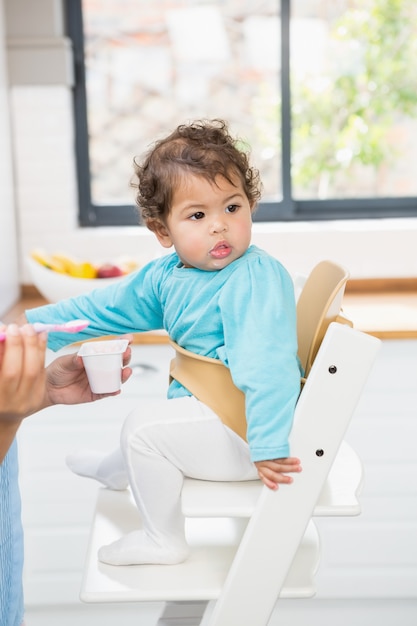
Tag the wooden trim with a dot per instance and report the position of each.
(381, 285)
(150, 338)
(392, 334)
(29, 291)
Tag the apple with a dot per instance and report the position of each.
(109, 270)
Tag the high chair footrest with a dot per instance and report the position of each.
(213, 545)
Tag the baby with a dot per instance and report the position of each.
(216, 295)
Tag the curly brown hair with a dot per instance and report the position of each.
(203, 148)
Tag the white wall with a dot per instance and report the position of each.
(9, 284)
(43, 135)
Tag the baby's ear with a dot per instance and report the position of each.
(161, 232)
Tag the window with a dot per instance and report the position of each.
(323, 91)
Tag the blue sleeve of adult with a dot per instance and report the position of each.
(259, 315)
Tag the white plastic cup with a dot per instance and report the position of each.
(103, 362)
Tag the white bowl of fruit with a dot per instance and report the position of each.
(58, 276)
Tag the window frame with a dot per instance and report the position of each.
(286, 210)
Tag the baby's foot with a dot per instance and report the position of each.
(137, 548)
(92, 464)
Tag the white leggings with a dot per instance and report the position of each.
(161, 443)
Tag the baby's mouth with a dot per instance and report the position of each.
(221, 250)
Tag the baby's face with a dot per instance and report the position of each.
(209, 224)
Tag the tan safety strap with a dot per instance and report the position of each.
(210, 381)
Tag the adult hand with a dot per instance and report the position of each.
(22, 380)
(274, 472)
(67, 382)
(22, 372)
(27, 387)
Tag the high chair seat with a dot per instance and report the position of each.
(339, 496)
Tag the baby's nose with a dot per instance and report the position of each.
(218, 226)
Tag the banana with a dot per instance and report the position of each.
(74, 267)
(66, 261)
(84, 270)
(46, 260)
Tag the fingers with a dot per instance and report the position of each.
(273, 479)
(2, 343)
(126, 374)
(271, 484)
(289, 464)
(12, 355)
(34, 349)
(127, 355)
(274, 472)
(22, 370)
(24, 353)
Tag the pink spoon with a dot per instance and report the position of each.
(74, 326)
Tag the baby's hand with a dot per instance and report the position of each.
(274, 472)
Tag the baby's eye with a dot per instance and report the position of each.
(232, 208)
(197, 216)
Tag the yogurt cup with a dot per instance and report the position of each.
(103, 362)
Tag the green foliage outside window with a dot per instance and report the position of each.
(351, 116)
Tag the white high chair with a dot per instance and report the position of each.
(251, 545)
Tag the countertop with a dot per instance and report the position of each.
(385, 308)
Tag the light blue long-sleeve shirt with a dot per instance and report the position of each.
(243, 315)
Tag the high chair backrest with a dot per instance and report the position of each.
(319, 304)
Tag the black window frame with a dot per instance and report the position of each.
(286, 210)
